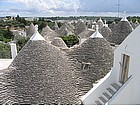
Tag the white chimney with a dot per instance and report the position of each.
(13, 50)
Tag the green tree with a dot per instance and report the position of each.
(21, 41)
(41, 25)
(6, 35)
(5, 51)
(70, 40)
(18, 18)
(1, 37)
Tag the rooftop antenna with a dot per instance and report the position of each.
(118, 8)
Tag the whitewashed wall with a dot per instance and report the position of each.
(130, 92)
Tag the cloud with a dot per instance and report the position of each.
(64, 7)
(55, 5)
(39, 7)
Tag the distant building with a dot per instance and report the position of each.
(18, 33)
(31, 18)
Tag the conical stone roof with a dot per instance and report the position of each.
(65, 30)
(105, 31)
(112, 26)
(31, 30)
(59, 43)
(96, 34)
(48, 33)
(89, 24)
(86, 33)
(80, 27)
(56, 28)
(40, 74)
(121, 31)
(70, 25)
(95, 57)
(100, 23)
(37, 35)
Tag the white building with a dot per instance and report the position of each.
(122, 84)
(19, 33)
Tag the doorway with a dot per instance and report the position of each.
(124, 68)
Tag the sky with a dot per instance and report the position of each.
(44, 8)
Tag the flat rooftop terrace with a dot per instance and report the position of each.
(4, 63)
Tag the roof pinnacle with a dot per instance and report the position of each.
(96, 34)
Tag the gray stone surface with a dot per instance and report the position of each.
(121, 31)
(65, 30)
(80, 27)
(86, 33)
(105, 31)
(112, 26)
(49, 34)
(40, 74)
(44, 74)
(31, 30)
(95, 59)
(59, 43)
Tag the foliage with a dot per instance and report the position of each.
(21, 41)
(117, 20)
(5, 51)
(6, 35)
(70, 40)
(42, 24)
(22, 21)
(59, 24)
(134, 19)
(15, 22)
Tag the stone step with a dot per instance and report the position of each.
(98, 103)
(119, 84)
(106, 95)
(110, 91)
(103, 100)
(116, 86)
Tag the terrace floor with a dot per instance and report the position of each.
(4, 63)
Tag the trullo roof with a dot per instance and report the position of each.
(40, 74)
(121, 31)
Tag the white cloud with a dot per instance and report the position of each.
(45, 5)
(39, 7)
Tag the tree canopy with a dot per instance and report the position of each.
(70, 40)
(5, 51)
